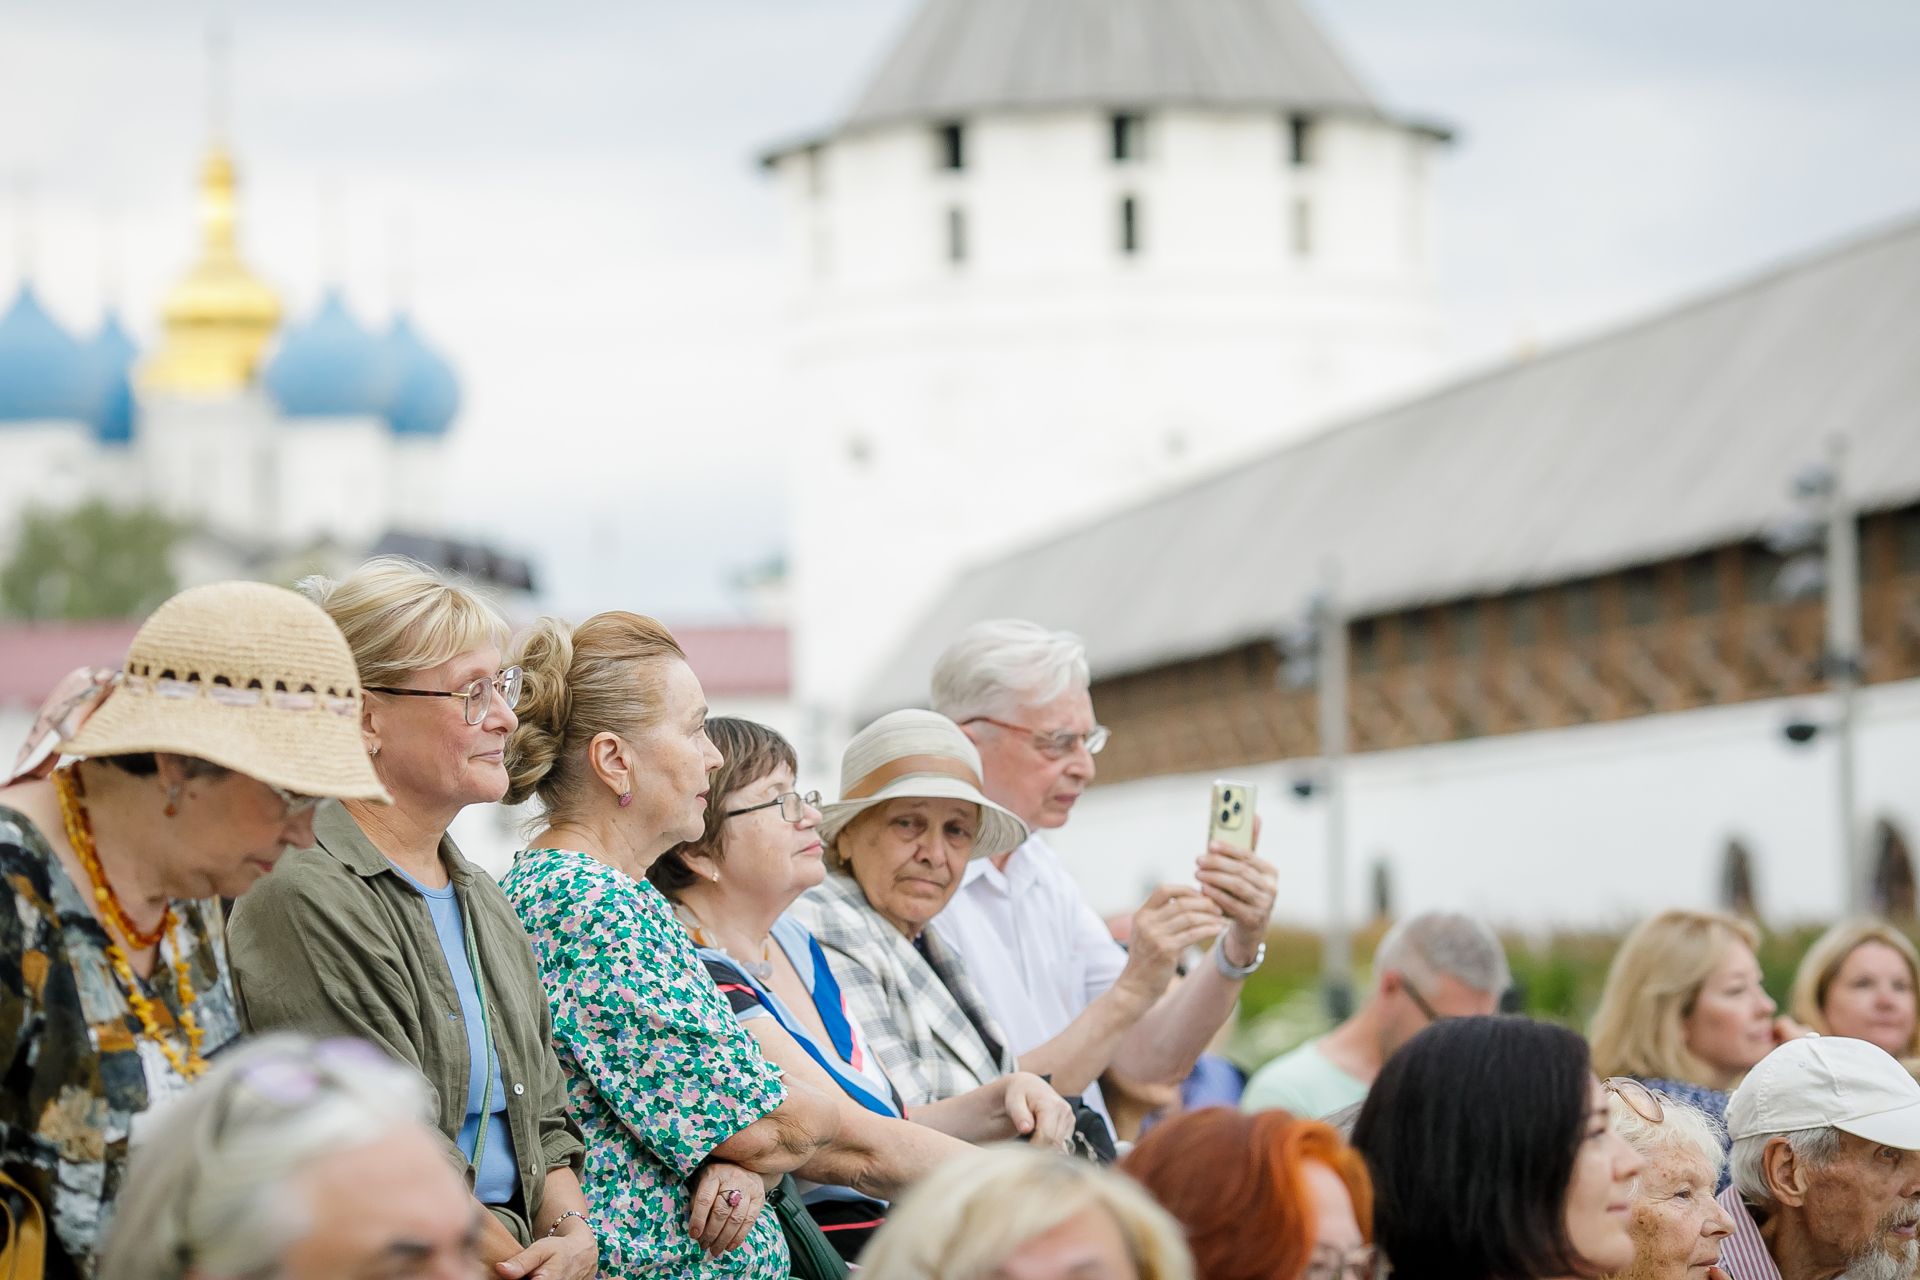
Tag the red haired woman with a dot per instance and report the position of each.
(1264, 1195)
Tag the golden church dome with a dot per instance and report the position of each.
(220, 317)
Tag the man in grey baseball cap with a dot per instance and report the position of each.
(1825, 1164)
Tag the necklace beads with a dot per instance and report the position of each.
(73, 811)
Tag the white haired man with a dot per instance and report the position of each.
(1072, 1001)
(1826, 1165)
(302, 1160)
(1434, 965)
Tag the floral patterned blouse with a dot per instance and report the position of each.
(658, 1071)
(79, 1073)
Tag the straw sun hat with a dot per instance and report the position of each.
(917, 754)
(254, 678)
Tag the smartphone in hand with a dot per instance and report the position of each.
(1232, 820)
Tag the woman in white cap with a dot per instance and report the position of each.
(911, 815)
(759, 851)
(199, 763)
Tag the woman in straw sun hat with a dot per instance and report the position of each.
(199, 763)
(910, 817)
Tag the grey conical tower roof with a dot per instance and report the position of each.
(966, 57)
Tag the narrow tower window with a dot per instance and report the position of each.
(1299, 141)
(1127, 131)
(952, 139)
(1129, 225)
(956, 235)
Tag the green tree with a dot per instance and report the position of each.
(90, 561)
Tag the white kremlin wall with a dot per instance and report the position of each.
(1596, 825)
(945, 410)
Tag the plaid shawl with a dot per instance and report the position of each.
(913, 1008)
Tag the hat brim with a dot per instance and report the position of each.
(317, 752)
(1898, 1128)
(1000, 831)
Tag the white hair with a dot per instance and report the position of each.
(1748, 1162)
(208, 1190)
(997, 666)
(1682, 1127)
(1446, 942)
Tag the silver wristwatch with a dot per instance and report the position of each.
(1234, 971)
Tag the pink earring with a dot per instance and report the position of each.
(626, 798)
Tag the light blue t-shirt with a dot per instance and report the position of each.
(498, 1177)
(1304, 1082)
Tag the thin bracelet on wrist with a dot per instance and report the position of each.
(561, 1221)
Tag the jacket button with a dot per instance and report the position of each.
(518, 1089)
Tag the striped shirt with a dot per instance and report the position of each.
(1744, 1255)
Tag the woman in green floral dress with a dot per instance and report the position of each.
(685, 1121)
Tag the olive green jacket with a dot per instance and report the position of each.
(335, 942)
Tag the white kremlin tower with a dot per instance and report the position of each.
(1062, 252)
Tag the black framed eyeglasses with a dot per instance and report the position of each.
(793, 806)
(1420, 1001)
(476, 694)
(1057, 745)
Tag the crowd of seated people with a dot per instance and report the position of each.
(264, 1018)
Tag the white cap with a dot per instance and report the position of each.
(1828, 1082)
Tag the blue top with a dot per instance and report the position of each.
(497, 1180)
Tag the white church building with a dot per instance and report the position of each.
(268, 438)
(1109, 241)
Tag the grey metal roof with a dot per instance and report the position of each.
(961, 57)
(1666, 437)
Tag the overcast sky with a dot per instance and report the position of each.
(591, 243)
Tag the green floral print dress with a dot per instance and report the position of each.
(658, 1071)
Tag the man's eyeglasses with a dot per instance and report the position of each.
(793, 806)
(476, 693)
(1054, 746)
(1363, 1263)
(1420, 1001)
(1641, 1100)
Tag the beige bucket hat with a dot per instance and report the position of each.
(251, 677)
(917, 754)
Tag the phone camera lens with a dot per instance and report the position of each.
(1236, 808)
(1226, 815)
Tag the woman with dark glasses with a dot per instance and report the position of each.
(384, 932)
(1494, 1157)
(301, 1160)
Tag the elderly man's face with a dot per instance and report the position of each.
(1863, 1207)
(390, 1210)
(1038, 787)
(1677, 1224)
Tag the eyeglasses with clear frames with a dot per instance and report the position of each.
(793, 806)
(475, 693)
(1057, 745)
(298, 805)
(1365, 1262)
(1641, 1100)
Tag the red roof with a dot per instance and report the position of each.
(739, 661)
(34, 655)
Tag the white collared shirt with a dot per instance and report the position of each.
(1037, 952)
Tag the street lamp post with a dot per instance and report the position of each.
(1843, 667)
(1336, 960)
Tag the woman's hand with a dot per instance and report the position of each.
(573, 1254)
(726, 1200)
(1037, 1113)
(1785, 1029)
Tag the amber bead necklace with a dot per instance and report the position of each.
(73, 810)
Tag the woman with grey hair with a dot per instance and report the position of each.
(300, 1159)
(1677, 1225)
